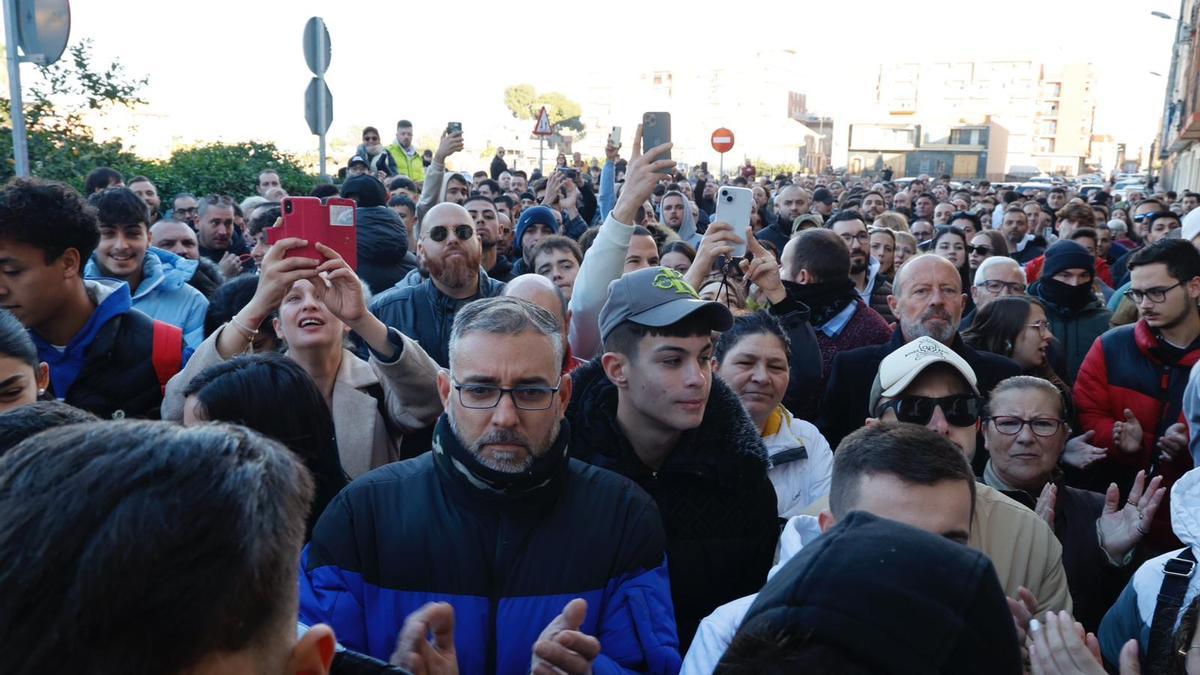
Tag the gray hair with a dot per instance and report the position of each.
(997, 261)
(505, 316)
(1022, 383)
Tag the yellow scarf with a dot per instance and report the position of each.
(774, 422)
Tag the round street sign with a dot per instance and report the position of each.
(43, 27)
(722, 140)
(316, 45)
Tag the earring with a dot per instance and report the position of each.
(1008, 346)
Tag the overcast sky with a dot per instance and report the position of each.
(234, 70)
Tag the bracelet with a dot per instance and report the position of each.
(241, 328)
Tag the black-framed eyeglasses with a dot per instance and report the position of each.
(1043, 427)
(995, 286)
(440, 232)
(980, 250)
(525, 397)
(861, 237)
(961, 410)
(1156, 295)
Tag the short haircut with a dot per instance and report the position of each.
(997, 261)
(49, 216)
(967, 215)
(216, 202)
(28, 420)
(908, 452)
(401, 200)
(101, 178)
(491, 184)
(370, 130)
(323, 190)
(845, 215)
(1023, 382)
(139, 179)
(505, 316)
(119, 206)
(1078, 213)
(624, 338)
(265, 172)
(403, 124)
(1057, 191)
(755, 323)
(182, 195)
(1083, 233)
(214, 515)
(1181, 258)
(15, 342)
(401, 182)
(263, 219)
(476, 197)
(506, 200)
(822, 253)
(557, 242)
(1151, 200)
(519, 173)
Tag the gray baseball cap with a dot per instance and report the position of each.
(657, 296)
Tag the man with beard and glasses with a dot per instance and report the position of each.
(864, 270)
(425, 311)
(487, 228)
(551, 565)
(928, 301)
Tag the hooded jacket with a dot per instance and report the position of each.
(382, 245)
(687, 230)
(165, 294)
(433, 190)
(1075, 330)
(717, 504)
(1133, 613)
(383, 161)
(433, 529)
(425, 314)
(106, 369)
(1125, 369)
(892, 598)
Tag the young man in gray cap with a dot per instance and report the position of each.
(650, 409)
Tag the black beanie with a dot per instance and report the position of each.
(365, 191)
(893, 598)
(1067, 255)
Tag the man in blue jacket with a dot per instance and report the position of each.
(157, 279)
(499, 522)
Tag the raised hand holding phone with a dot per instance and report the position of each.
(641, 178)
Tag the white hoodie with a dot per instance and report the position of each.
(717, 629)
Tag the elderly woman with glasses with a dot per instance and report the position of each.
(1025, 431)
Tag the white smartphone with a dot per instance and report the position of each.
(733, 206)
(614, 138)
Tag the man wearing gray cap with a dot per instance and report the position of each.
(650, 409)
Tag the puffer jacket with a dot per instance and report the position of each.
(1124, 370)
(382, 244)
(800, 462)
(1074, 330)
(165, 294)
(1133, 613)
(425, 314)
(717, 503)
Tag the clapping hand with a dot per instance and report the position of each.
(1122, 528)
(1080, 453)
(1046, 502)
(1059, 646)
(414, 649)
(1127, 435)
(562, 648)
(1173, 443)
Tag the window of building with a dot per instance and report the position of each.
(1052, 89)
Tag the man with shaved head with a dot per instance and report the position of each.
(176, 237)
(542, 292)
(451, 249)
(790, 203)
(927, 300)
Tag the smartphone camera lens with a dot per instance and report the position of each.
(287, 207)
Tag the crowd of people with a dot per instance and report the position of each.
(556, 423)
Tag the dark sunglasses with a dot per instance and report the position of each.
(980, 250)
(961, 410)
(463, 232)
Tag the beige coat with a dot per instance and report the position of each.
(1022, 547)
(409, 386)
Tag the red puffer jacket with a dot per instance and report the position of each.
(1123, 370)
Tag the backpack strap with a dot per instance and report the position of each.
(1177, 573)
(167, 352)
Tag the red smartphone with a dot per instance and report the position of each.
(330, 222)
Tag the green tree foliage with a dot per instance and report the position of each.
(63, 147)
(524, 102)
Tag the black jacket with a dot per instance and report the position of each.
(382, 243)
(503, 270)
(425, 314)
(852, 374)
(776, 235)
(207, 278)
(498, 167)
(118, 379)
(717, 504)
(804, 357)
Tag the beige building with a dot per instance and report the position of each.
(1048, 110)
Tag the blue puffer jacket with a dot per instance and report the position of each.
(425, 530)
(164, 293)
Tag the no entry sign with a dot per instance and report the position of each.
(722, 140)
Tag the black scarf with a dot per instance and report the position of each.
(1066, 296)
(447, 446)
(824, 299)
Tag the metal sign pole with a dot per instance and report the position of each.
(541, 146)
(321, 121)
(721, 175)
(17, 111)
